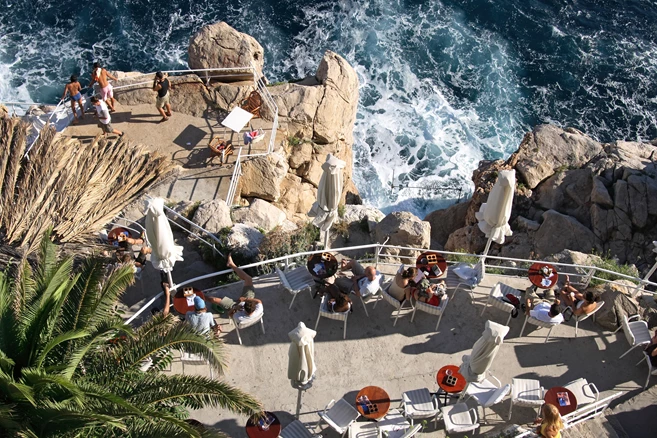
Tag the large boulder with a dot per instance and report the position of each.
(363, 214)
(262, 177)
(618, 303)
(260, 214)
(559, 232)
(567, 192)
(445, 222)
(244, 240)
(468, 239)
(548, 149)
(219, 45)
(296, 197)
(213, 215)
(403, 229)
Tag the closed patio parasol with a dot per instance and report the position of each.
(329, 191)
(158, 232)
(476, 364)
(301, 365)
(494, 215)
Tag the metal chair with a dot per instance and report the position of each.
(193, 359)
(487, 393)
(296, 429)
(652, 371)
(580, 318)
(499, 291)
(454, 282)
(409, 433)
(248, 322)
(338, 415)
(585, 392)
(539, 323)
(420, 404)
(295, 281)
(339, 316)
(432, 310)
(636, 332)
(526, 392)
(459, 418)
(394, 302)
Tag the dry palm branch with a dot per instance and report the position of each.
(74, 189)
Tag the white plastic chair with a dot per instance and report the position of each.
(296, 429)
(459, 418)
(193, 359)
(585, 392)
(652, 371)
(338, 316)
(248, 322)
(580, 318)
(295, 281)
(454, 282)
(394, 302)
(636, 332)
(499, 291)
(432, 310)
(526, 392)
(487, 393)
(393, 425)
(539, 323)
(409, 433)
(420, 404)
(338, 415)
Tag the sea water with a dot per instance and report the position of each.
(443, 84)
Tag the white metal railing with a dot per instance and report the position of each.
(237, 172)
(588, 411)
(194, 229)
(376, 248)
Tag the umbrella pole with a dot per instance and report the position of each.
(170, 279)
(326, 236)
(490, 240)
(299, 402)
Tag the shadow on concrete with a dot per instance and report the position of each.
(190, 137)
(193, 159)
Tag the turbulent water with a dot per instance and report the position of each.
(442, 84)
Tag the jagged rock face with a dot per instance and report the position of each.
(245, 240)
(445, 222)
(213, 216)
(361, 213)
(618, 303)
(260, 214)
(404, 229)
(219, 45)
(262, 177)
(559, 231)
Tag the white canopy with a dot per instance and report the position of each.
(476, 364)
(237, 119)
(158, 231)
(494, 215)
(301, 365)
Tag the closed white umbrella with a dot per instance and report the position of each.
(494, 215)
(301, 365)
(476, 364)
(329, 191)
(158, 232)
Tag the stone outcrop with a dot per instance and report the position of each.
(260, 214)
(445, 222)
(219, 45)
(245, 240)
(363, 214)
(618, 303)
(403, 229)
(213, 216)
(262, 177)
(559, 231)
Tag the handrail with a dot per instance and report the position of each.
(237, 172)
(285, 259)
(194, 226)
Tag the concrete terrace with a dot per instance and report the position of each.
(407, 356)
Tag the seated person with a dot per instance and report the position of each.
(400, 288)
(429, 293)
(247, 305)
(338, 301)
(128, 257)
(531, 298)
(365, 281)
(551, 423)
(547, 312)
(580, 304)
(199, 319)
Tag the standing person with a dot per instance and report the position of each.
(73, 88)
(104, 119)
(161, 85)
(100, 75)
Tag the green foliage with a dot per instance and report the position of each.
(611, 264)
(69, 366)
(341, 228)
(293, 140)
(463, 257)
(278, 243)
(189, 215)
(341, 210)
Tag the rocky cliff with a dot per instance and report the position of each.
(573, 193)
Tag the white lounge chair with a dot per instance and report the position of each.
(295, 281)
(394, 302)
(432, 310)
(243, 323)
(487, 393)
(454, 282)
(652, 371)
(584, 391)
(420, 404)
(580, 318)
(339, 415)
(338, 316)
(538, 323)
(499, 291)
(636, 332)
(526, 392)
(193, 359)
(296, 429)
(459, 418)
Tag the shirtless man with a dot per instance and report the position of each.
(73, 88)
(100, 75)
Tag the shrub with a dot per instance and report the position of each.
(279, 243)
(611, 264)
(342, 228)
(463, 257)
(293, 140)
(341, 210)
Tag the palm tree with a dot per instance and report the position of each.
(69, 367)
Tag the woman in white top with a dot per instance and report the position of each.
(400, 288)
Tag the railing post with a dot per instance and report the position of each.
(287, 263)
(588, 277)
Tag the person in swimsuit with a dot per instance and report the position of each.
(579, 303)
(73, 88)
(551, 423)
(400, 288)
(125, 243)
(161, 85)
(100, 75)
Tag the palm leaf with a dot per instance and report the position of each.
(57, 340)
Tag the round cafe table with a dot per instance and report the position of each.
(441, 379)
(378, 397)
(254, 430)
(536, 276)
(426, 262)
(551, 396)
(323, 265)
(113, 235)
(180, 301)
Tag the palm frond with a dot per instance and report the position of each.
(56, 341)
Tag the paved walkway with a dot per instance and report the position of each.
(407, 356)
